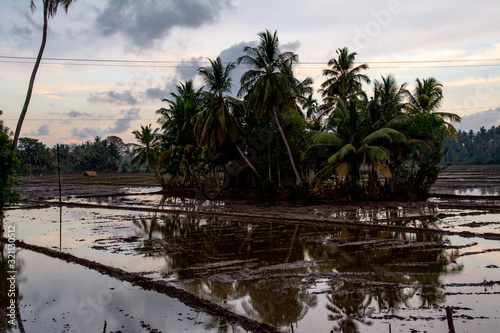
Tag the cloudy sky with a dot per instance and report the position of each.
(109, 63)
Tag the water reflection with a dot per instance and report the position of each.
(152, 200)
(10, 294)
(348, 307)
(269, 270)
(479, 191)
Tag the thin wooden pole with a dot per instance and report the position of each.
(59, 175)
(60, 199)
(449, 316)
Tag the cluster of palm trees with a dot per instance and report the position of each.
(276, 132)
(481, 147)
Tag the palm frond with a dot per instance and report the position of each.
(448, 116)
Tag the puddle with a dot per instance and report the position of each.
(82, 300)
(295, 277)
(488, 191)
(155, 201)
(471, 191)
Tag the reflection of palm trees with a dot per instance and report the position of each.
(383, 269)
(380, 261)
(221, 325)
(280, 308)
(147, 227)
(348, 306)
(210, 240)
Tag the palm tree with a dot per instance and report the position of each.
(302, 91)
(269, 84)
(426, 98)
(178, 131)
(216, 125)
(344, 79)
(388, 103)
(147, 151)
(353, 143)
(49, 10)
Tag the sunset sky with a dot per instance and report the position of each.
(108, 64)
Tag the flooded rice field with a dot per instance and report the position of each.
(292, 267)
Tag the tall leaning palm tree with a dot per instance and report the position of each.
(268, 85)
(426, 98)
(344, 78)
(49, 10)
(216, 125)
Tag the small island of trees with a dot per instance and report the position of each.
(276, 135)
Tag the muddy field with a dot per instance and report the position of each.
(123, 257)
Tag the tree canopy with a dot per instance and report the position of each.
(352, 143)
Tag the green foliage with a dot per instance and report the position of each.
(180, 153)
(344, 79)
(98, 155)
(8, 163)
(35, 156)
(427, 127)
(426, 152)
(270, 85)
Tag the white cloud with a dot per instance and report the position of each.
(475, 121)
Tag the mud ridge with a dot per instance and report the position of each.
(159, 286)
(478, 252)
(305, 220)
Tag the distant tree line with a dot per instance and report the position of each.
(481, 147)
(98, 155)
(276, 135)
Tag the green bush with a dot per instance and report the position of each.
(8, 164)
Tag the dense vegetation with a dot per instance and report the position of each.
(276, 135)
(8, 163)
(99, 155)
(482, 147)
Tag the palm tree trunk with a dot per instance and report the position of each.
(278, 163)
(33, 75)
(196, 178)
(269, 159)
(160, 179)
(298, 180)
(246, 160)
